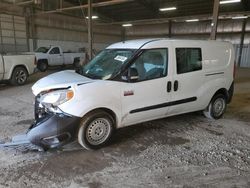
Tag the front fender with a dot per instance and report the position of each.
(93, 96)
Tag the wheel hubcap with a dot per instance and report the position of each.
(219, 106)
(98, 131)
(20, 76)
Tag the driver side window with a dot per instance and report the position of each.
(151, 64)
(55, 51)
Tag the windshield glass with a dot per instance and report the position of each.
(107, 63)
(42, 50)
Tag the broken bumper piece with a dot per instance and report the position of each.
(21, 143)
(53, 130)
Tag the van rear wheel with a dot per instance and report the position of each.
(216, 107)
(95, 130)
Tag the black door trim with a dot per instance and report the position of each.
(172, 103)
(216, 73)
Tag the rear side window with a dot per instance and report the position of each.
(188, 59)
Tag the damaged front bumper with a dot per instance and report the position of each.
(50, 130)
(53, 130)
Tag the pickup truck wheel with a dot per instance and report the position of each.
(19, 76)
(216, 107)
(95, 130)
(42, 66)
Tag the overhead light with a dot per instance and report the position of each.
(167, 9)
(93, 17)
(192, 20)
(239, 17)
(229, 1)
(127, 25)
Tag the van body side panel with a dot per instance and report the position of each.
(219, 66)
(216, 73)
(190, 84)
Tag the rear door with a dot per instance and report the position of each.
(55, 57)
(147, 98)
(188, 78)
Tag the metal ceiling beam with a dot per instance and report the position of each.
(149, 6)
(23, 3)
(204, 17)
(100, 4)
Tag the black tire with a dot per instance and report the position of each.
(42, 65)
(216, 107)
(19, 76)
(95, 130)
(76, 63)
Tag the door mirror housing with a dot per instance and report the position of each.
(132, 74)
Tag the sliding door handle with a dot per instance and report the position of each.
(176, 85)
(169, 86)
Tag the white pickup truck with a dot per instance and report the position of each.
(53, 56)
(16, 68)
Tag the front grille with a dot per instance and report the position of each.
(39, 110)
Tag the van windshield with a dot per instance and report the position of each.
(107, 63)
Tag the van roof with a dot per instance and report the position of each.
(136, 44)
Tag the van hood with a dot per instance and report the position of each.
(61, 79)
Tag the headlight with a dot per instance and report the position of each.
(55, 98)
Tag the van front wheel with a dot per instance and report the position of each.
(216, 107)
(95, 130)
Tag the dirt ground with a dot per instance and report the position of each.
(182, 151)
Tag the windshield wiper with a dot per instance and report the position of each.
(91, 76)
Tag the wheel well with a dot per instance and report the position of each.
(224, 92)
(110, 112)
(76, 59)
(42, 60)
(22, 67)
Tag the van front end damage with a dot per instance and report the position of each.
(49, 130)
(53, 131)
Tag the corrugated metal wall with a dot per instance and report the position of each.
(245, 58)
(228, 30)
(71, 33)
(13, 36)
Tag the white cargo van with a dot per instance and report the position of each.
(132, 82)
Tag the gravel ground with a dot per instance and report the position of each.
(182, 151)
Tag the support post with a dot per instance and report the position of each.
(214, 23)
(26, 14)
(169, 28)
(123, 34)
(1, 39)
(90, 30)
(33, 28)
(242, 37)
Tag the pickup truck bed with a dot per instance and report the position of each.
(16, 68)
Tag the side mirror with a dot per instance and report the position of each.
(133, 74)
